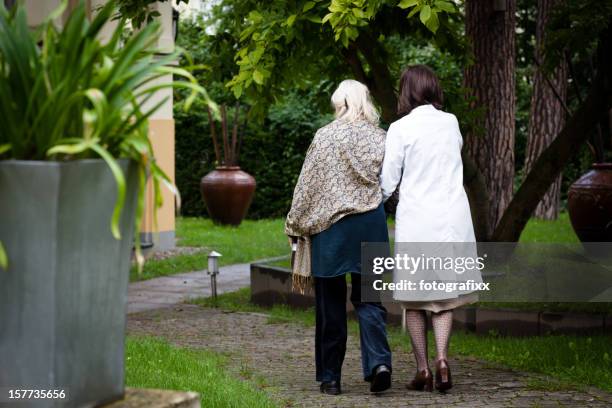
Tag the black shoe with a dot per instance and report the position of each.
(331, 387)
(381, 380)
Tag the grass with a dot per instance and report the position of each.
(569, 360)
(553, 307)
(281, 263)
(170, 266)
(248, 242)
(153, 363)
(251, 241)
(559, 230)
(261, 239)
(240, 301)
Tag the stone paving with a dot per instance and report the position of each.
(169, 290)
(282, 356)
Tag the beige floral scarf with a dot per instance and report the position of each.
(340, 176)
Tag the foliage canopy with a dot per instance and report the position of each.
(294, 42)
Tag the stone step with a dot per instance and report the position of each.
(151, 398)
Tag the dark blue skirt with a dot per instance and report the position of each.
(337, 250)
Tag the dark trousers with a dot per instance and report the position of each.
(331, 332)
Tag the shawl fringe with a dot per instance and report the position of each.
(300, 283)
(300, 266)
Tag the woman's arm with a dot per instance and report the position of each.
(391, 173)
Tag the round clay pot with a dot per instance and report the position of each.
(590, 204)
(227, 192)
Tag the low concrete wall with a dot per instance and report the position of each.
(272, 285)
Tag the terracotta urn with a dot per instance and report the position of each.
(590, 204)
(227, 192)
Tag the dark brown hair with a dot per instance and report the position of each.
(419, 85)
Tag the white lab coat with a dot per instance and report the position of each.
(423, 150)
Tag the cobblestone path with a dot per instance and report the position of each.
(283, 355)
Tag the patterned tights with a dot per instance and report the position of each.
(416, 321)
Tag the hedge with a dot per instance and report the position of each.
(272, 151)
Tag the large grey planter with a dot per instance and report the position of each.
(63, 299)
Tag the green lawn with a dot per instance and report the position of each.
(568, 360)
(248, 242)
(254, 240)
(240, 301)
(559, 230)
(153, 363)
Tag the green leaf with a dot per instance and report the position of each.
(98, 100)
(190, 83)
(258, 77)
(415, 10)
(335, 7)
(327, 17)
(425, 14)
(404, 4)
(345, 39)
(358, 13)
(74, 147)
(255, 16)
(445, 6)
(314, 19)
(120, 181)
(237, 89)
(165, 180)
(308, 5)
(291, 20)
(5, 148)
(433, 23)
(57, 13)
(352, 33)
(3, 257)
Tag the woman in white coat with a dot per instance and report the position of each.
(423, 156)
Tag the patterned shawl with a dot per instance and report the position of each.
(340, 176)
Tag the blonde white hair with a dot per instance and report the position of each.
(352, 102)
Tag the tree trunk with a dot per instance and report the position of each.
(476, 190)
(491, 85)
(380, 82)
(547, 114)
(553, 159)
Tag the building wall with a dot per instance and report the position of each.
(161, 133)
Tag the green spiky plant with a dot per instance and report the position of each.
(66, 95)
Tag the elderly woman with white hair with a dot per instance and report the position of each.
(337, 205)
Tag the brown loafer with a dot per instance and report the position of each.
(423, 381)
